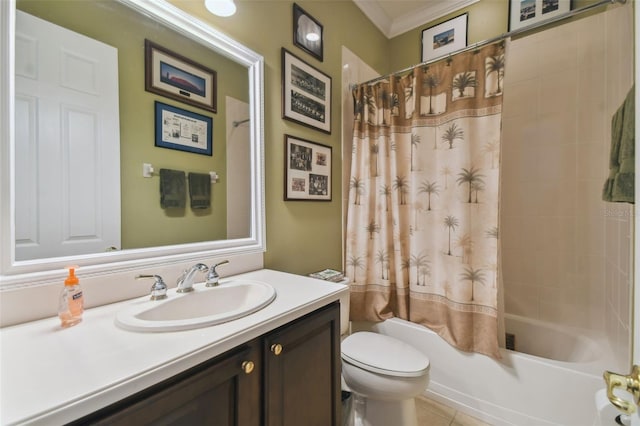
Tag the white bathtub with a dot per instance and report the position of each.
(521, 389)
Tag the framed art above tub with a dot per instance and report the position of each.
(527, 12)
(444, 38)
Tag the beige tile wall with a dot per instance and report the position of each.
(566, 252)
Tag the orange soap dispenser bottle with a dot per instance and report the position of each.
(71, 303)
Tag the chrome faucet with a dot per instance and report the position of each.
(212, 276)
(158, 289)
(185, 282)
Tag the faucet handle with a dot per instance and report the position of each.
(158, 289)
(212, 276)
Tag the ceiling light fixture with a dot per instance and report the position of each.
(222, 8)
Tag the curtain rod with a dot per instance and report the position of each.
(512, 33)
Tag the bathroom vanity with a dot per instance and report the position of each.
(277, 366)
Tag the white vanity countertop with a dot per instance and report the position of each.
(50, 375)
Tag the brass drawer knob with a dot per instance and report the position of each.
(276, 348)
(248, 367)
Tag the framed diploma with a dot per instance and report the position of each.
(183, 130)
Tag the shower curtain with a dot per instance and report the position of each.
(422, 218)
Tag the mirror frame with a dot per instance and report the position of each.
(15, 274)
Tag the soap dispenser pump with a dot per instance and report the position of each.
(71, 304)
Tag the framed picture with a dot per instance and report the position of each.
(183, 130)
(527, 12)
(308, 170)
(444, 38)
(306, 93)
(174, 76)
(307, 33)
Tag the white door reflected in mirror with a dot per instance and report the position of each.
(67, 142)
(138, 247)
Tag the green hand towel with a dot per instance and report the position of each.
(620, 186)
(200, 190)
(173, 192)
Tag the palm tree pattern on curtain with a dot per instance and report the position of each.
(422, 220)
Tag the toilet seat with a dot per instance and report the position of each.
(384, 355)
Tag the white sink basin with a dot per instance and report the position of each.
(203, 307)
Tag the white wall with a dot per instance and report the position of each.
(354, 71)
(238, 179)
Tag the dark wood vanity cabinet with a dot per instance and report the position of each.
(290, 376)
(302, 371)
(222, 391)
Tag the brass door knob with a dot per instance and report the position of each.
(248, 367)
(276, 348)
(629, 383)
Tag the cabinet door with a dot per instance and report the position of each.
(302, 371)
(220, 392)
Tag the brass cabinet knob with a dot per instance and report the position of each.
(276, 348)
(248, 367)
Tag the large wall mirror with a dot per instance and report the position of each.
(81, 121)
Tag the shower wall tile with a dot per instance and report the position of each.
(520, 59)
(512, 231)
(590, 197)
(512, 260)
(558, 161)
(556, 49)
(624, 264)
(572, 252)
(619, 39)
(591, 95)
(556, 127)
(591, 163)
(590, 236)
(591, 43)
(559, 91)
(624, 301)
(522, 300)
(528, 88)
(623, 347)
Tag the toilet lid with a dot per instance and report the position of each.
(383, 354)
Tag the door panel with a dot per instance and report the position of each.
(68, 135)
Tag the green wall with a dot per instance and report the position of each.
(144, 222)
(306, 236)
(486, 19)
(302, 236)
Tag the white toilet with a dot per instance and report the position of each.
(384, 375)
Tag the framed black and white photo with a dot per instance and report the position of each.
(527, 12)
(174, 76)
(444, 38)
(183, 130)
(308, 170)
(307, 33)
(306, 93)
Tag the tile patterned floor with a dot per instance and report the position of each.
(433, 413)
